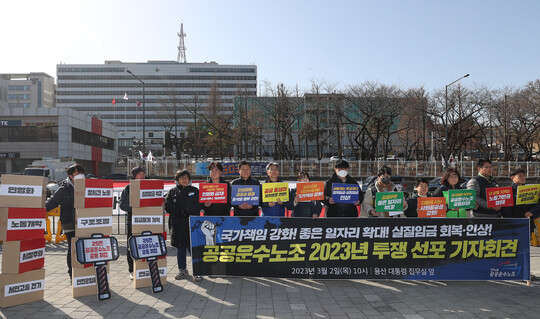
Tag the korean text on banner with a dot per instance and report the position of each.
(461, 198)
(500, 196)
(245, 194)
(214, 193)
(527, 194)
(389, 202)
(307, 192)
(345, 193)
(431, 207)
(274, 191)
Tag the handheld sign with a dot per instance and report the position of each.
(527, 194)
(274, 191)
(431, 207)
(149, 246)
(389, 202)
(245, 194)
(500, 197)
(307, 192)
(345, 193)
(461, 198)
(215, 193)
(98, 250)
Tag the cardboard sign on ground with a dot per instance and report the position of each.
(22, 223)
(146, 192)
(90, 221)
(23, 191)
(22, 288)
(84, 281)
(93, 193)
(74, 262)
(147, 219)
(141, 273)
(22, 256)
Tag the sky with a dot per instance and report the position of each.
(412, 43)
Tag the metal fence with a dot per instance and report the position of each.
(321, 169)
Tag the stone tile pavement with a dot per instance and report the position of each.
(280, 298)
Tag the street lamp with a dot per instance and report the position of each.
(446, 117)
(143, 111)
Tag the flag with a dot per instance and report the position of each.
(150, 157)
(138, 103)
(452, 161)
(125, 96)
(443, 162)
(141, 153)
(113, 101)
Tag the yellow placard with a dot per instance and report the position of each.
(527, 194)
(274, 191)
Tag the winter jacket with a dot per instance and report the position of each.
(180, 203)
(277, 210)
(517, 211)
(304, 209)
(219, 209)
(340, 209)
(247, 212)
(412, 206)
(125, 204)
(64, 197)
(369, 199)
(480, 184)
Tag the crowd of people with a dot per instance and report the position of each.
(182, 200)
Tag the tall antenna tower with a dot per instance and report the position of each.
(181, 47)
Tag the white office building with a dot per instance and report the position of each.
(27, 90)
(172, 91)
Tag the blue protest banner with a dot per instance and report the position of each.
(362, 248)
(345, 193)
(245, 194)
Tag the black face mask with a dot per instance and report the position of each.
(385, 180)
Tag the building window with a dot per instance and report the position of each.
(88, 138)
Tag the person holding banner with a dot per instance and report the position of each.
(421, 187)
(181, 202)
(383, 184)
(245, 209)
(273, 208)
(304, 209)
(136, 173)
(65, 198)
(216, 176)
(531, 211)
(341, 176)
(480, 183)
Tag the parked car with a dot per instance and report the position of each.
(367, 182)
(334, 158)
(116, 176)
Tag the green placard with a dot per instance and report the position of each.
(389, 202)
(461, 198)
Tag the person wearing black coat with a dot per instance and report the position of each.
(341, 175)
(65, 197)
(421, 187)
(214, 209)
(136, 173)
(181, 202)
(244, 168)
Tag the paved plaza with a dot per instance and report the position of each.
(280, 298)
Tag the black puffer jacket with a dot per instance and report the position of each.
(64, 197)
(180, 203)
(339, 209)
(125, 204)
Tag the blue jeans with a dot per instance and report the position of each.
(181, 256)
